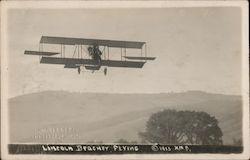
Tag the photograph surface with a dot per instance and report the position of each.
(120, 81)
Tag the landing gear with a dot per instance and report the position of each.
(79, 70)
(105, 71)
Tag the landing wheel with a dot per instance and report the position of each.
(79, 70)
(82, 68)
(105, 71)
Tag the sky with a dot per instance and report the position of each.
(195, 49)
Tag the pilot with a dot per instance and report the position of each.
(97, 54)
(97, 50)
(90, 49)
(97, 58)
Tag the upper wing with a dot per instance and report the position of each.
(100, 42)
(71, 62)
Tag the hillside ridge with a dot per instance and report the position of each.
(109, 117)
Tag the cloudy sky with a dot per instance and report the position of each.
(195, 49)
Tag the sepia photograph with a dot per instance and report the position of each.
(135, 80)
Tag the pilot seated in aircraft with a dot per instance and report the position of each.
(95, 53)
(97, 50)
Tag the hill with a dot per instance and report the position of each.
(59, 116)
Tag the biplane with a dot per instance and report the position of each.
(97, 50)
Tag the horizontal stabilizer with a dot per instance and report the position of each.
(75, 61)
(40, 53)
(127, 64)
(71, 66)
(140, 58)
(92, 67)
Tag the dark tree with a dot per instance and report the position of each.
(182, 127)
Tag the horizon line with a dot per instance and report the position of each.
(81, 92)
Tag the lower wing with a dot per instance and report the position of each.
(77, 62)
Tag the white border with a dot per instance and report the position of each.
(5, 5)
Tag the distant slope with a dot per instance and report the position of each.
(57, 116)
